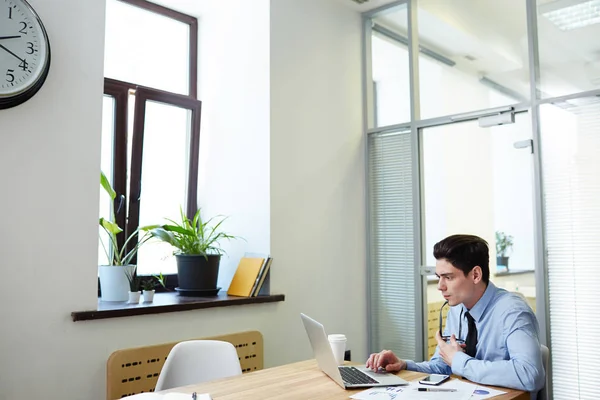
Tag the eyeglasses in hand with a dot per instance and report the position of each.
(447, 338)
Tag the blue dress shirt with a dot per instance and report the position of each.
(508, 347)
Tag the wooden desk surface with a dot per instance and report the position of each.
(302, 380)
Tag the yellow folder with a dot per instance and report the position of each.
(245, 276)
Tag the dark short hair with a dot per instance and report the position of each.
(465, 252)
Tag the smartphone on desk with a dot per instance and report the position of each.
(434, 379)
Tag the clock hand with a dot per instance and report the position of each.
(9, 37)
(18, 58)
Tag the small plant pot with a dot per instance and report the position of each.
(148, 296)
(502, 261)
(134, 297)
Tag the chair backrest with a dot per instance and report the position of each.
(543, 394)
(135, 370)
(197, 361)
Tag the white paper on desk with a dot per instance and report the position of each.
(411, 392)
(379, 393)
(478, 392)
(168, 396)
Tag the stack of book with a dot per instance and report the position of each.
(251, 277)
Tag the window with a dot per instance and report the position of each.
(151, 45)
(151, 120)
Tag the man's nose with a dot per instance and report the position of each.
(441, 286)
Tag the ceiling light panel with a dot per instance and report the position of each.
(575, 16)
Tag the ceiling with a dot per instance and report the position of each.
(486, 38)
(190, 7)
(194, 7)
(366, 6)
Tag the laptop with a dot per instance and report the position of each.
(350, 376)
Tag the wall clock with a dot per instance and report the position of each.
(24, 52)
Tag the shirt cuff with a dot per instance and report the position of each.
(411, 365)
(459, 362)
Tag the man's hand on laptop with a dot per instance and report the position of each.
(386, 361)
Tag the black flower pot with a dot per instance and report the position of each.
(502, 261)
(197, 273)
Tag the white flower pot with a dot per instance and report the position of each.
(113, 282)
(134, 297)
(148, 296)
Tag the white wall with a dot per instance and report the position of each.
(48, 240)
(234, 138)
(49, 162)
(318, 223)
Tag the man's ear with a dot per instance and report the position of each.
(477, 274)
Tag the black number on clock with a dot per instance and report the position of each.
(10, 77)
(9, 12)
(23, 31)
(30, 48)
(24, 64)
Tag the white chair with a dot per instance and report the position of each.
(197, 361)
(543, 394)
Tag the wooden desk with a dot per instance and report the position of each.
(302, 380)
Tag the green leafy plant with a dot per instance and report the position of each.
(114, 254)
(161, 280)
(133, 279)
(194, 236)
(504, 244)
(149, 284)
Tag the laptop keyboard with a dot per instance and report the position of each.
(353, 376)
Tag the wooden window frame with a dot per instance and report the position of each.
(193, 39)
(142, 96)
(128, 216)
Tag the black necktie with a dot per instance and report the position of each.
(471, 341)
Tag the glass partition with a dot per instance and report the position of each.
(570, 146)
(391, 82)
(469, 52)
(568, 46)
(479, 181)
(474, 59)
(392, 274)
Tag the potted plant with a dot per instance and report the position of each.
(134, 285)
(197, 251)
(114, 283)
(504, 244)
(148, 286)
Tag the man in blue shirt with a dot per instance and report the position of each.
(500, 330)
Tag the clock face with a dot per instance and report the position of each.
(24, 52)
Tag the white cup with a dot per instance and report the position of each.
(338, 346)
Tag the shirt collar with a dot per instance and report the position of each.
(479, 307)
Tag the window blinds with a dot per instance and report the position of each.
(391, 242)
(571, 175)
